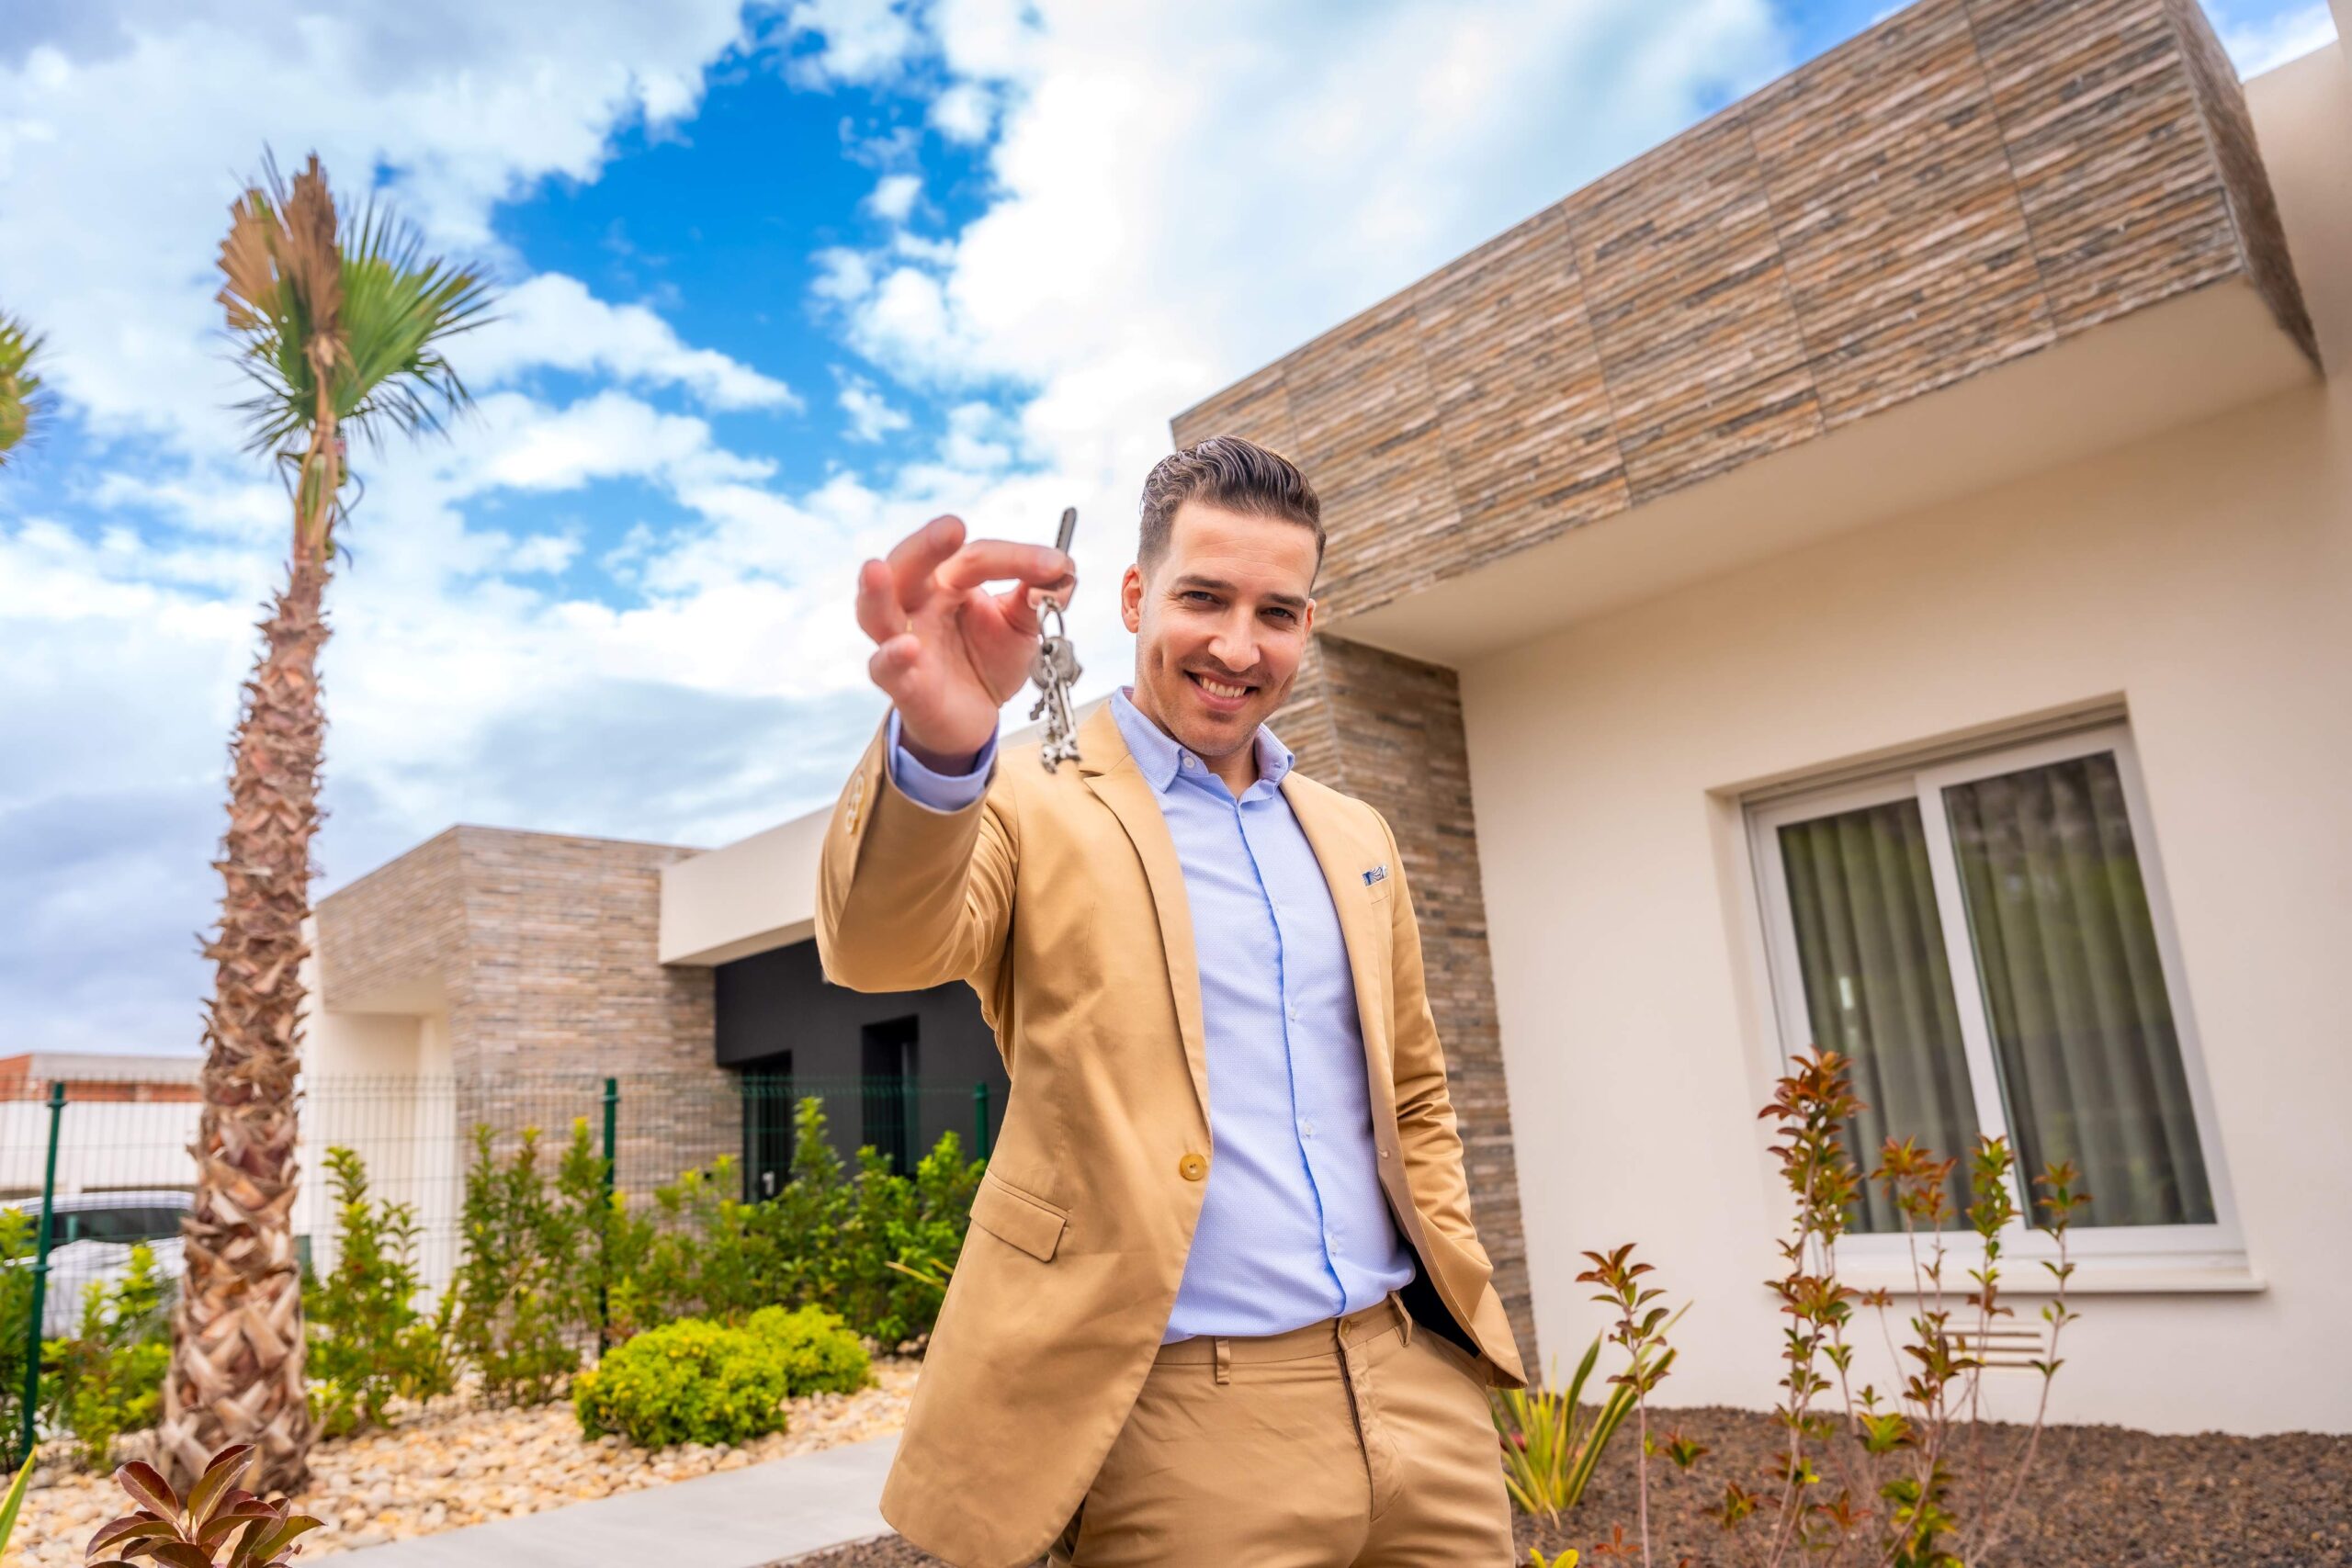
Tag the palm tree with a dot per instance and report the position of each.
(22, 401)
(340, 326)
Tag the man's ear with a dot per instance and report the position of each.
(1131, 597)
(1306, 620)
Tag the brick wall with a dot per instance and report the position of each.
(1388, 730)
(540, 948)
(541, 945)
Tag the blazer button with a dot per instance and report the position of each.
(1193, 1167)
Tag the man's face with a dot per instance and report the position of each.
(1221, 625)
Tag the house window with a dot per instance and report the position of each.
(1987, 939)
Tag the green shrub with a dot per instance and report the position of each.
(868, 1245)
(519, 1313)
(688, 1382)
(367, 1340)
(15, 1318)
(820, 1354)
(109, 1378)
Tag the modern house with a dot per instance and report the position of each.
(1875, 570)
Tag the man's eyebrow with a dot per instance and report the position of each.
(1194, 579)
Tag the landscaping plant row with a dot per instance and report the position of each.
(709, 1311)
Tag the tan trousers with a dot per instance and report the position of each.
(1361, 1442)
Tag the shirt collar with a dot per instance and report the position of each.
(1159, 755)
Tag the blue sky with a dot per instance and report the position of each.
(781, 281)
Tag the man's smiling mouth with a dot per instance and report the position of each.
(1217, 688)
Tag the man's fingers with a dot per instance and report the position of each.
(989, 560)
(878, 613)
(916, 556)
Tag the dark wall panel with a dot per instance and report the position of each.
(777, 1013)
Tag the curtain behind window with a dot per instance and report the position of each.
(1877, 987)
(2082, 1024)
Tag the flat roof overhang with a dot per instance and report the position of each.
(1981, 239)
(2188, 359)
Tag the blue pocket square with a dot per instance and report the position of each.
(1376, 873)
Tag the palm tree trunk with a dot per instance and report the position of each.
(238, 1339)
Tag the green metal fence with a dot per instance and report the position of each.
(91, 1167)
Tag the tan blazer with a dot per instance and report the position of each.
(1059, 898)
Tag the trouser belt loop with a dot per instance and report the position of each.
(1224, 1359)
(1404, 1319)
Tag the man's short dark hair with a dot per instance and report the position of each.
(1227, 471)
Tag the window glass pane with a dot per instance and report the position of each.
(127, 1225)
(1877, 988)
(2082, 1026)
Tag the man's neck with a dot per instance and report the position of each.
(1238, 768)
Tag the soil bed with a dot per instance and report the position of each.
(2101, 1497)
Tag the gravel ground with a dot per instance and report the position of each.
(448, 1465)
(2106, 1498)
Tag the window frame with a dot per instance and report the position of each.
(1924, 778)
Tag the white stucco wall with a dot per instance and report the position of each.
(2205, 579)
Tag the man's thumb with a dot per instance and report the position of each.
(894, 660)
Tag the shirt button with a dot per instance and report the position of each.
(1294, 1012)
(1190, 763)
(1193, 1167)
(1307, 1126)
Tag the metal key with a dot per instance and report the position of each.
(1055, 668)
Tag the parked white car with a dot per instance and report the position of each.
(91, 1236)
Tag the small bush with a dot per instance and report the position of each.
(16, 1317)
(688, 1382)
(367, 1340)
(820, 1355)
(108, 1379)
(518, 1285)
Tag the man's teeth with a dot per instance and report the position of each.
(1218, 688)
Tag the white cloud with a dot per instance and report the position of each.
(126, 123)
(862, 40)
(2258, 45)
(963, 113)
(843, 275)
(1195, 189)
(552, 320)
(520, 445)
(871, 417)
(893, 197)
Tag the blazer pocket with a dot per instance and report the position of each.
(1013, 1216)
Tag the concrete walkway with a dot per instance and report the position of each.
(736, 1518)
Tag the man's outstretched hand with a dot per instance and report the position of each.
(949, 652)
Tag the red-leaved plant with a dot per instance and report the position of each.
(220, 1525)
(1888, 1500)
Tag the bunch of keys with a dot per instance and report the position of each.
(1054, 668)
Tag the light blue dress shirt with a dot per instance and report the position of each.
(1293, 1228)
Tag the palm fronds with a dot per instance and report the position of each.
(22, 401)
(340, 321)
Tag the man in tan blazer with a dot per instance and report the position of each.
(1222, 1301)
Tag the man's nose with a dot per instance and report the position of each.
(1235, 646)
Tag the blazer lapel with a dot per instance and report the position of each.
(1111, 773)
(1361, 920)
